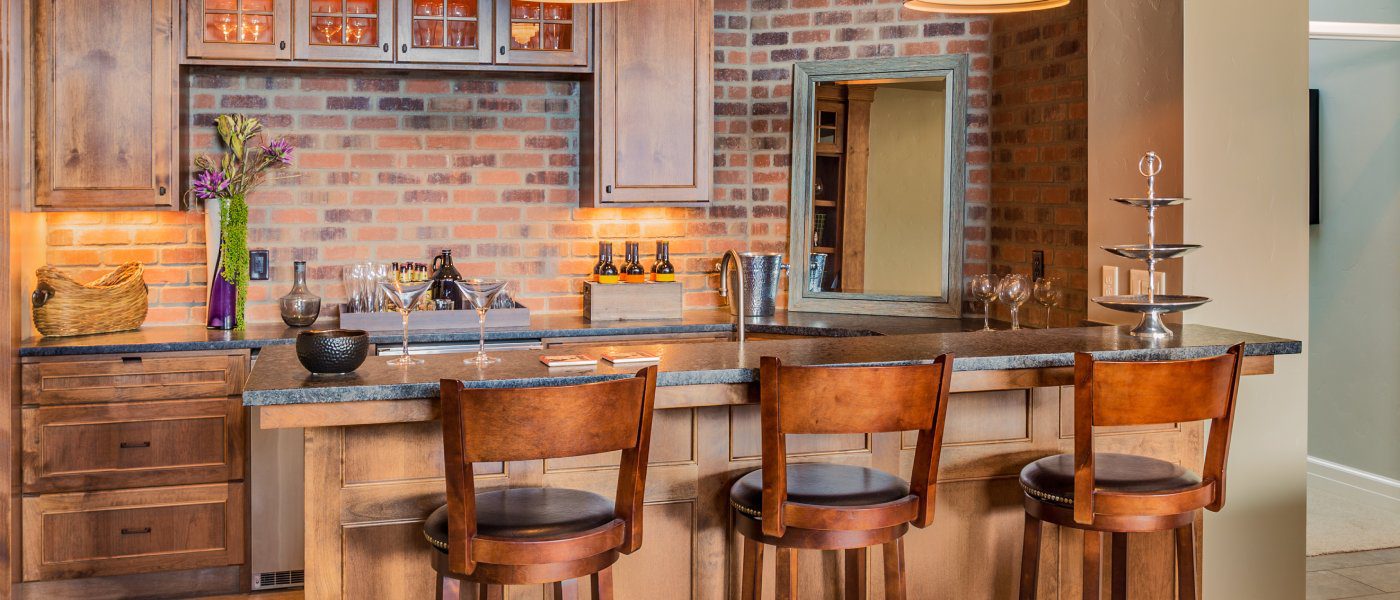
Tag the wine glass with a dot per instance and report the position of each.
(1014, 290)
(983, 287)
(405, 297)
(480, 293)
(1047, 292)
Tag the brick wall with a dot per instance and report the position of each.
(1040, 142)
(396, 167)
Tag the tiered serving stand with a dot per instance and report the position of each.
(1152, 305)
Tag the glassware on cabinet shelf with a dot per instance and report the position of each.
(983, 287)
(257, 29)
(405, 297)
(1014, 290)
(460, 8)
(265, 6)
(327, 30)
(225, 27)
(360, 32)
(481, 295)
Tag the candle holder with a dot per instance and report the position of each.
(1151, 305)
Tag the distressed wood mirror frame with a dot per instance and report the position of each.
(806, 76)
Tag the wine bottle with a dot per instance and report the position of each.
(598, 266)
(662, 270)
(634, 273)
(607, 273)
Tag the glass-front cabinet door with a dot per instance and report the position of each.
(239, 29)
(352, 30)
(541, 33)
(457, 31)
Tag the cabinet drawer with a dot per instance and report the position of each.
(105, 446)
(132, 531)
(123, 378)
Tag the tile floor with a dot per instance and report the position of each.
(1369, 575)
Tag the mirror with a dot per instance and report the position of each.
(879, 151)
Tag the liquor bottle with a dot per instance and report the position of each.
(662, 270)
(607, 274)
(634, 272)
(598, 266)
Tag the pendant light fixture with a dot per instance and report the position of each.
(982, 6)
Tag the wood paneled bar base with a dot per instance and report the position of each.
(374, 471)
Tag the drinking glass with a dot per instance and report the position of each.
(1014, 290)
(405, 297)
(480, 293)
(1047, 292)
(984, 288)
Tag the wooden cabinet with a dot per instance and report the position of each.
(246, 29)
(344, 30)
(133, 464)
(457, 31)
(104, 96)
(541, 33)
(650, 115)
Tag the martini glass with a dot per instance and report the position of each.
(405, 297)
(480, 293)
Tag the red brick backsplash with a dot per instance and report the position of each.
(397, 167)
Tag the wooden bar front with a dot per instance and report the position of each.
(374, 472)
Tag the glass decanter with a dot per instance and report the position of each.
(300, 307)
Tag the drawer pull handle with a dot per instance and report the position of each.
(134, 531)
(136, 444)
(131, 359)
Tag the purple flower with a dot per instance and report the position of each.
(209, 184)
(280, 150)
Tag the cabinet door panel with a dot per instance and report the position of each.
(542, 33)
(344, 30)
(239, 29)
(652, 106)
(445, 31)
(104, 99)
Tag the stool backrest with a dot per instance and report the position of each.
(490, 425)
(836, 400)
(1154, 393)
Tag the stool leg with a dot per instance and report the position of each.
(1093, 560)
(787, 574)
(751, 585)
(490, 592)
(857, 586)
(1119, 591)
(1030, 557)
(1186, 562)
(565, 590)
(602, 584)
(894, 570)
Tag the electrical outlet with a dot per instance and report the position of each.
(258, 265)
(1037, 265)
(1137, 282)
(1109, 285)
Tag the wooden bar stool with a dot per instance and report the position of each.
(839, 507)
(1120, 494)
(540, 535)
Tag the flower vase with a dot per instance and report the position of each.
(223, 300)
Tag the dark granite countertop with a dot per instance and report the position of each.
(278, 378)
(183, 338)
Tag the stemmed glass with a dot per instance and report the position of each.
(983, 287)
(481, 293)
(405, 297)
(1014, 290)
(1047, 292)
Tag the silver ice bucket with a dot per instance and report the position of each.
(760, 274)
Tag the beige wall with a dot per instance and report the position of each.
(1246, 69)
(904, 191)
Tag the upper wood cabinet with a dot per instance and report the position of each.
(650, 108)
(344, 30)
(247, 29)
(457, 31)
(541, 33)
(104, 98)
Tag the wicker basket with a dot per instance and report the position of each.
(116, 302)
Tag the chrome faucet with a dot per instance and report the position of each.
(724, 285)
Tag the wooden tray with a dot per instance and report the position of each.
(633, 301)
(435, 319)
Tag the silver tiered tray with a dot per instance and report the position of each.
(1151, 305)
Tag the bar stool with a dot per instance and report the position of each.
(839, 507)
(537, 535)
(1120, 494)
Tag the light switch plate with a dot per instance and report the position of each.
(258, 265)
(1137, 282)
(1109, 286)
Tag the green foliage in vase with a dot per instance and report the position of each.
(229, 181)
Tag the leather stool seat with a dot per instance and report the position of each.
(821, 485)
(525, 513)
(1052, 478)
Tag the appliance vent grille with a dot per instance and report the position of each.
(279, 579)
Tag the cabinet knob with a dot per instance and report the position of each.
(135, 531)
(161, 190)
(607, 189)
(282, 45)
(503, 50)
(146, 444)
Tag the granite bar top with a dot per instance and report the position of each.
(184, 338)
(277, 377)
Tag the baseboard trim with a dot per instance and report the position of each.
(1371, 489)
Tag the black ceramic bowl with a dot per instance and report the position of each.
(332, 351)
